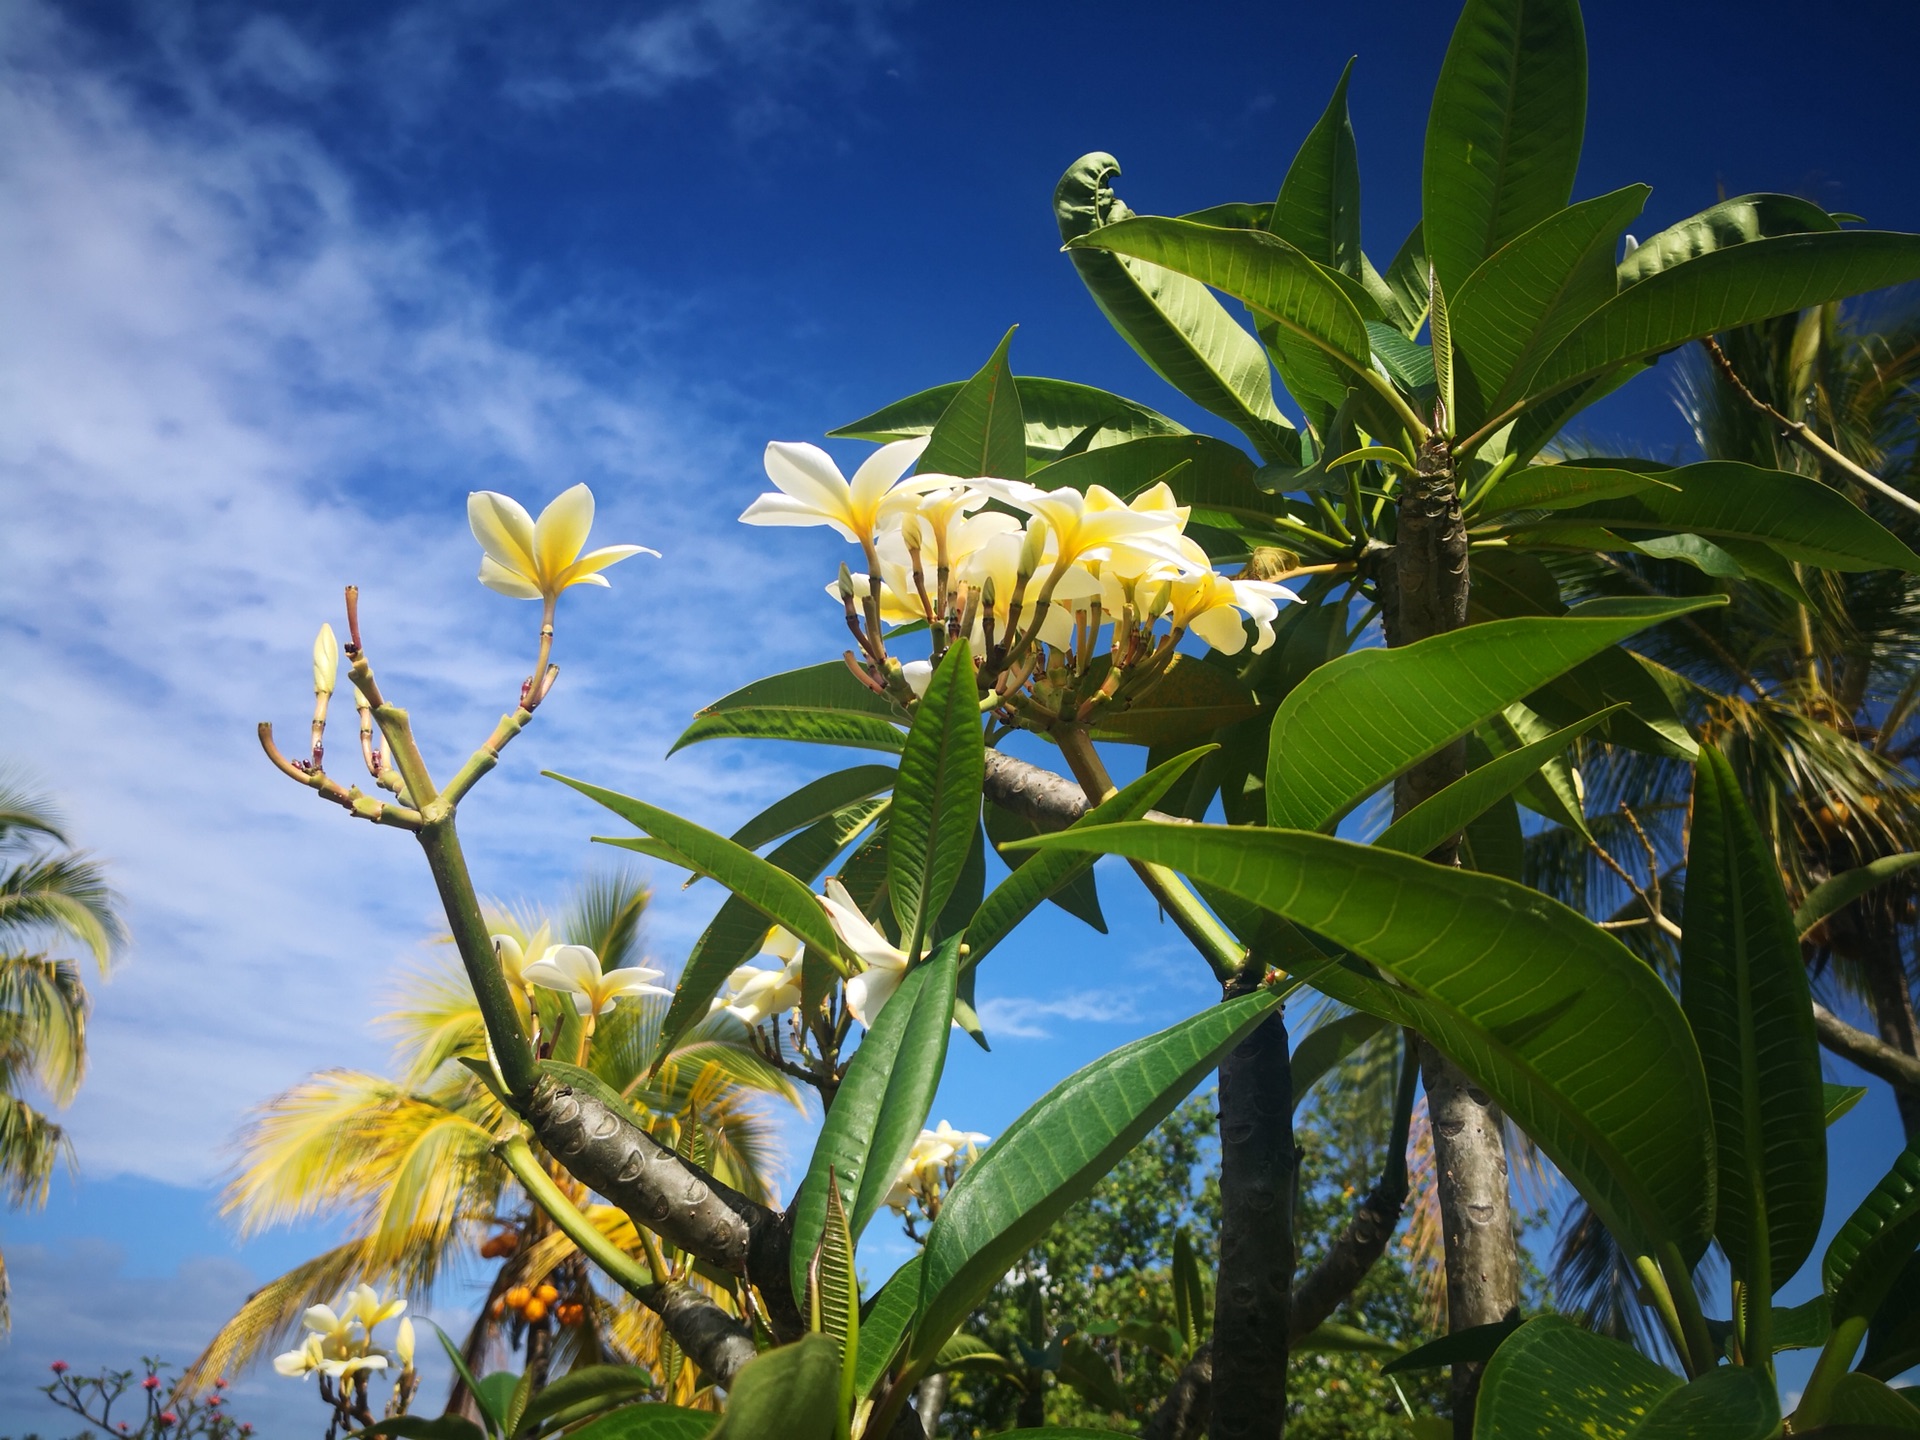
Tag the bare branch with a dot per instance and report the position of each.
(1869, 1052)
(1183, 1415)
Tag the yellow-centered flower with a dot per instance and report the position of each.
(536, 559)
(576, 970)
(812, 491)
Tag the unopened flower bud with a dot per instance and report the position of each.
(403, 1341)
(911, 532)
(986, 594)
(1033, 546)
(326, 661)
(846, 583)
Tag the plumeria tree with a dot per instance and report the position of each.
(1038, 556)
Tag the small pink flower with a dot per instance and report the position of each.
(152, 1382)
(167, 1417)
(247, 1428)
(221, 1383)
(59, 1367)
(214, 1399)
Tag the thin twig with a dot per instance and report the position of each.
(1652, 908)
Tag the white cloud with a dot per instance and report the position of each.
(1005, 1017)
(224, 390)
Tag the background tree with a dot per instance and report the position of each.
(52, 898)
(412, 1159)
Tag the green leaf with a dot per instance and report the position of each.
(1173, 323)
(1078, 895)
(1357, 721)
(1553, 1378)
(1426, 826)
(1832, 896)
(1318, 211)
(936, 800)
(1731, 222)
(1325, 1046)
(1475, 1343)
(813, 802)
(1861, 1406)
(1726, 289)
(1552, 791)
(982, 431)
(1743, 986)
(467, 1378)
(1190, 701)
(1056, 1152)
(1560, 487)
(1056, 413)
(1189, 1292)
(1405, 283)
(1893, 1342)
(1213, 477)
(822, 704)
(737, 933)
(1735, 1403)
(1503, 137)
(1330, 1338)
(884, 1324)
(786, 1394)
(1591, 1056)
(834, 1296)
(584, 1384)
(761, 883)
(1492, 843)
(1039, 876)
(494, 1395)
(418, 1427)
(880, 1106)
(1089, 1372)
(1794, 514)
(1837, 1100)
(649, 1422)
(1320, 334)
(1523, 299)
(1865, 1257)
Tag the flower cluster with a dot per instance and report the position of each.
(931, 1167)
(339, 1342)
(1061, 593)
(574, 970)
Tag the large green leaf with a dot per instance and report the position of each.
(1325, 1046)
(880, 1106)
(884, 1325)
(735, 935)
(1573, 1034)
(1190, 701)
(1863, 1408)
(1319, 206)
(1520, 303)
(936, 800)
(1508, 584)
(1553, 1378)
(1057, 1151)
(814, 802)
(1744, 988)
(823, 704)
(1893, 1344)
(1866, 1256)
(1723, 499)
(649, 1422)
(1057, 413)
(1831, 896)
(761, 883)
(1215, 478)
(1725, 289)
(1357, 721)
(1078, 895)
(1174, 324)
(982, 431)
(1323, 335)
(1039, 876)
(1428, 824)
(1503, 136)
(1731, 222)
(1559, 487)
(585, 1385)
(789, 1393)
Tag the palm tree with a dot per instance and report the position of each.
(410, 1158)
(1808, 680)
(51, 897)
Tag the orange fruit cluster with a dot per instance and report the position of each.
(505, 1243)
(531, 1304)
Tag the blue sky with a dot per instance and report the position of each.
(284, 282)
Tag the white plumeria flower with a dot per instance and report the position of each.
(952, 1142)
(998, 560)
(885, 962)
(812, 491)
(338, 1369)
(302, 1362)
(536, 559)
(1210, 605)
(512, 955)
(333, 1330)
(921, 1171)
(918, 674)
(403, 1342)
(365, 1305)
(1090, 524)
(754, 995)
(576, 970)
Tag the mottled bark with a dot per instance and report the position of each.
(1050, 801)
(1183, 1414)
(929, 1400)
(1876, 1057)
(711, 1338)
(1251, 1296)
(609, 1153)
(1425, 594)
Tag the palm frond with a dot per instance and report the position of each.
(31, 1148)
(43, 1025)
(61, 897)
(28, 817)
(604, 914)
(1594, 1283)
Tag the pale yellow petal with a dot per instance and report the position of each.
(496, 576)
(504, 529)
(561, 533)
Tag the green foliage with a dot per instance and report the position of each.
(936, 802)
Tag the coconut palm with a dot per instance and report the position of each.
(410, 1159)
(1808, 680)
(52, 898)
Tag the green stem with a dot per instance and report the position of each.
(1693, 1323)
(470, 936)
(1213, 940)
(586, 1236)
(1836, 1358)
(1656, 1284)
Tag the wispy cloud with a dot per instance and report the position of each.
(227, 390)
(1009, 1018)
